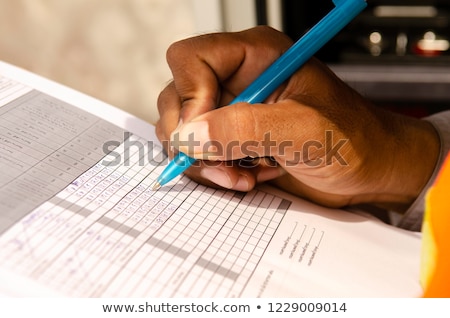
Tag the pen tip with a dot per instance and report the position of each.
(156, 185)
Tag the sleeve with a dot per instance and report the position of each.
(412, 219)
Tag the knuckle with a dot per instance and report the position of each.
(174, 50)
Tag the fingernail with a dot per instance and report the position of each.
(217, 176)
(242, 184)
(190, 137)
(180, 122)
(177, 130)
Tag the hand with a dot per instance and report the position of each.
(315, 136)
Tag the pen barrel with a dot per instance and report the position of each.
(301, 51)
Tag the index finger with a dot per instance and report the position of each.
(210, 70)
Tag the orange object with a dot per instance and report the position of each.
(435, 262)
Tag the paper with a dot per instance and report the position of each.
(79, 219)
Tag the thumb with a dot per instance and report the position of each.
(242, 130)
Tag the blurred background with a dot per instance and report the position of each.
(113, 50)
(396, 52)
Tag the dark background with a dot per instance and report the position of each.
(395, 73)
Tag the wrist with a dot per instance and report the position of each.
(410, 155)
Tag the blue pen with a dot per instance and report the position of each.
(277, 73)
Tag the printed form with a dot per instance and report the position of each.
(79, 218)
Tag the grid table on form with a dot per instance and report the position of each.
(107, 234)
